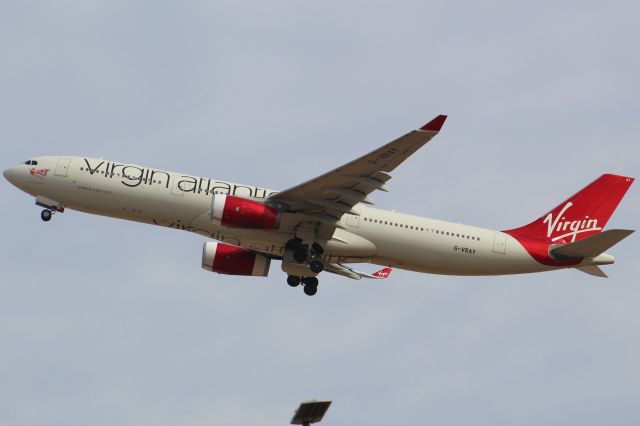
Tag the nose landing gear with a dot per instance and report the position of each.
(50, 207)
(46, 214)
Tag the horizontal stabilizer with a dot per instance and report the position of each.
(337, 268)
(593, 245)
(345, 271)
(593, 270)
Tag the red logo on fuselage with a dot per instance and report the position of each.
(39, 173)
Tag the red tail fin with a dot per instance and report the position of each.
(584, 214)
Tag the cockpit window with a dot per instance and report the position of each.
(31, 163)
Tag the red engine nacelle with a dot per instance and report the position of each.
(239, 212)
(232, 260)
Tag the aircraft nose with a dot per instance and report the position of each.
(11, 174)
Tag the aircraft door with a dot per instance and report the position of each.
(63, 167)
(353, 221)
(499, 242)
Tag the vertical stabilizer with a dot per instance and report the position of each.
(584, 214)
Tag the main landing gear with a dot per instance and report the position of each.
(312, 256)
(310, 284)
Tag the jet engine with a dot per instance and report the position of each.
(232, 260)
(237, 212)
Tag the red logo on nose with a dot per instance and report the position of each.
(39, 173)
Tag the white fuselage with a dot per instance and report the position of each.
(182, 201)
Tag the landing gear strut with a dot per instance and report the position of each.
(46, 215)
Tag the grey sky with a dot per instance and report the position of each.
(106, 322)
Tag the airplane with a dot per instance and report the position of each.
(327, 223)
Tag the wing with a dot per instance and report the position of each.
(328, 197)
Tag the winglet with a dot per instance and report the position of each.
(435, 125)
(382, 273)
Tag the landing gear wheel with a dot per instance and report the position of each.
(316, 266)
(310, 289)
(293, 281)
(46, 215)
(310, 285)
(293, 244)
(300, 255)
(312, 281)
